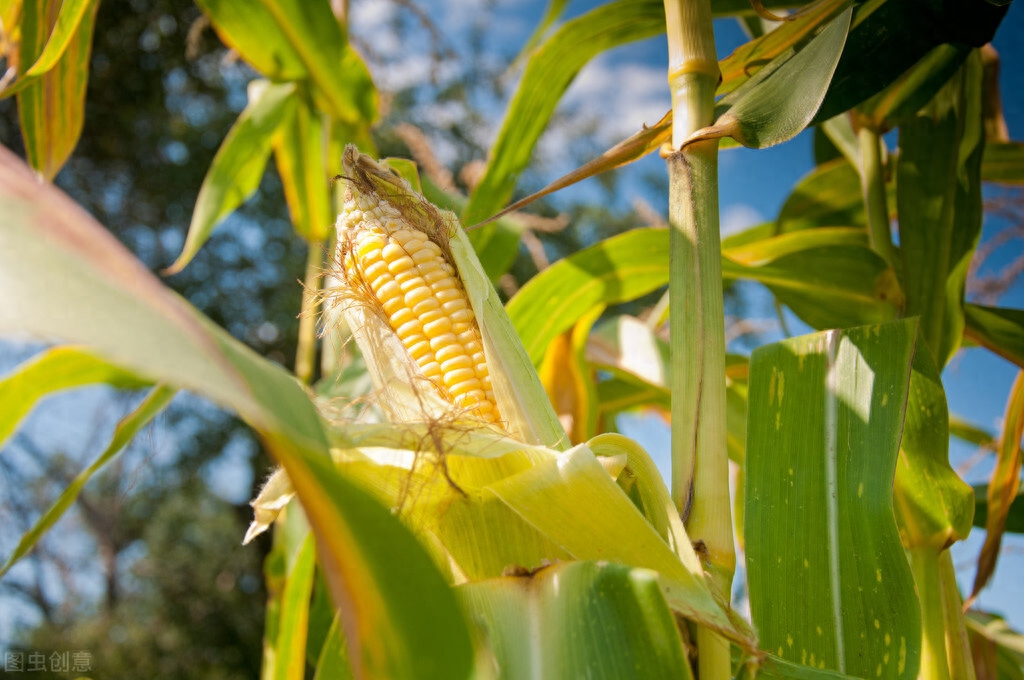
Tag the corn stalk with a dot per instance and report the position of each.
(700, 482)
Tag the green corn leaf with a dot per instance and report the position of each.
(1003, 162)
(50, 139)
(933, 505)
(740, 66)
(601, 523)
(826, 279)
(290, 653)
(775, 668)
(939, 203)
(579, 619)
(239, 164)
(254, 33)
(60, 368)
(970, 433)
(1014, 517)
(828, 286)
(888, 38)
(828, 196)
(299, 151)
(401, 618)
(912, 90)
(621, 268)
(840, 132)
(295, 40)
(550, 70)
(829, 582)
(770, 248)
(782, 98)
(644, 485)
(332, 663)
(126, 429)
(997, 329)
(552, 12)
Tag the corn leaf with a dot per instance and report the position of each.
(997, 329)
(620, 268)
(769, 249)
(601, 523)
(933, 505)
(641, 481)
(253, 32)
(299, 151)
(939, 204)
(1003, 162)
(912, 90)
(888, 38)
(997, 649)
(56, 369)
(745, 62)
(552, 12)
(295, 40)
(126, 429)
(823, 550)
(239, 164)
(775, 668)
(828, 196)
(1003, 486)
(781, 99)
(1014, 517)
(290, 656)
(401, 619)
(49, 138)
(332, 663)
(65, 31)
(828, 286)
(550, 70)
(837, 284)
(581, 619)
(839, 131)
(970, 433)
(291, 534)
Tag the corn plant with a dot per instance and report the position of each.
(455, 521)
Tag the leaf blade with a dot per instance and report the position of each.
(126, 429)
(59, 368)
(238, 167)
(822, 442)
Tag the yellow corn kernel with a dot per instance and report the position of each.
(425, 304)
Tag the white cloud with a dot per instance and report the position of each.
(624, 95)
(739, 216)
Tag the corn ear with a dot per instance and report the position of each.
(523, 420)
(406, 229)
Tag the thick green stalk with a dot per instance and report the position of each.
(958, 646)
(305, 354)
(873, 186)
(700, 466)
(925, 565)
